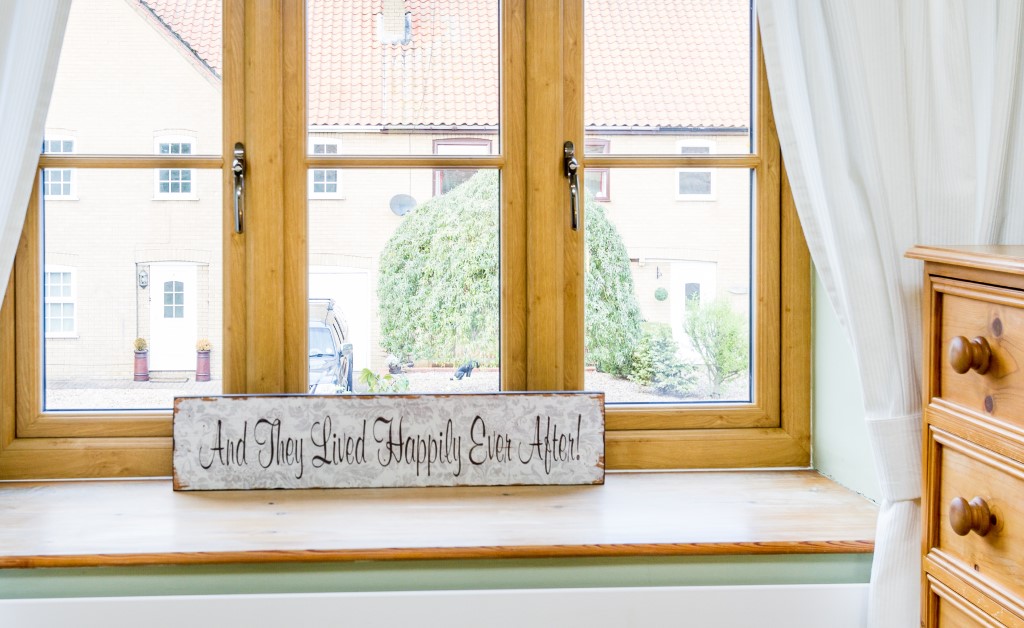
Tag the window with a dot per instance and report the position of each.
(695, 184)
(692, 296)
(440, 123)
(174, 299)
(324, 182)
(59, 183)
(596, 180)
(450, 178)
(174, 182)
(59, 302)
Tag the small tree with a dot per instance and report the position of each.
(438, 282)
(656, 363)
(720, 335)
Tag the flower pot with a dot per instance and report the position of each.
(142, 366)
(202, 366)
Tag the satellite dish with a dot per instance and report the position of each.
(402, 204)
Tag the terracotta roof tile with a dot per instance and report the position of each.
(367, 66)
(197, 23)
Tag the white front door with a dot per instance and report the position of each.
(690, 281)
(172, 317)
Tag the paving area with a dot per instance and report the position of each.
(110, 394)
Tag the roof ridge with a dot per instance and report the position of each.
(175, 35)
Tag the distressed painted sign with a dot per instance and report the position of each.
(350, 441)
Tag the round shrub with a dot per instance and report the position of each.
(661, 294)
(438, 288)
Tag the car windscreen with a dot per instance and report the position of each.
(320, 342)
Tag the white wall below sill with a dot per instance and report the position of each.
(770, 606)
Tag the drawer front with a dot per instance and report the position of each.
(949, 610)
(996, 316)
(993, 562)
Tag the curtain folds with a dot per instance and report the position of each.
(31, 32)
(901, 123)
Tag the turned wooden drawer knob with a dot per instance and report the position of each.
(965, 354)
(965, 517)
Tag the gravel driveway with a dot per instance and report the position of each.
(70, 395)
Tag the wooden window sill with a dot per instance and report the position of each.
(143, 522)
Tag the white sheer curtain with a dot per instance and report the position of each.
(900, 123)
(31, 32)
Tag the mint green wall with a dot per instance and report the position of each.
(840, 451)
(435, 575)
(840, 447)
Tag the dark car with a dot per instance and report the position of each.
(330, 352)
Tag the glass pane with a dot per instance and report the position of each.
(130, 72)
(405, 283)
(656, 71)
(130, 266)
(384, 69)
(667, 289)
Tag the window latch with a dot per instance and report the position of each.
(238, 167)
(571, 171)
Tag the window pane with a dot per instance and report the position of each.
(140, 271)
(407, 282)
(387, 67)
(695, 182)
(131, 70)
(667, 290)
(656, 70)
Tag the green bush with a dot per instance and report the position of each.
(720, 336)
(655, 363)
(438, 283)
(661, 294)
(612, 316)
(386, 383)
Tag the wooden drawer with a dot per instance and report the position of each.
(993, 563)
(946, 609)
(996, 316)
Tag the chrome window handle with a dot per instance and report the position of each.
(238, 167)
(571, 170)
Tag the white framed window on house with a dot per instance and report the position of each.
(596, 180)
(324, 182)
(695, 184)
(59, 302)
(447, 179)
(175, 183)
(59, 183)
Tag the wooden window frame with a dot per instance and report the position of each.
(266, 353)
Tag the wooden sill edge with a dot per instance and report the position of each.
(687, 513)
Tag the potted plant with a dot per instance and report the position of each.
(141, 359)
(203, 347)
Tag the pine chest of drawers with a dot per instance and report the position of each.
(973, 455)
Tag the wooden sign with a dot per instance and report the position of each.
(349, 441)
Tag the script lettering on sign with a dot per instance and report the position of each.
(363, 441)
